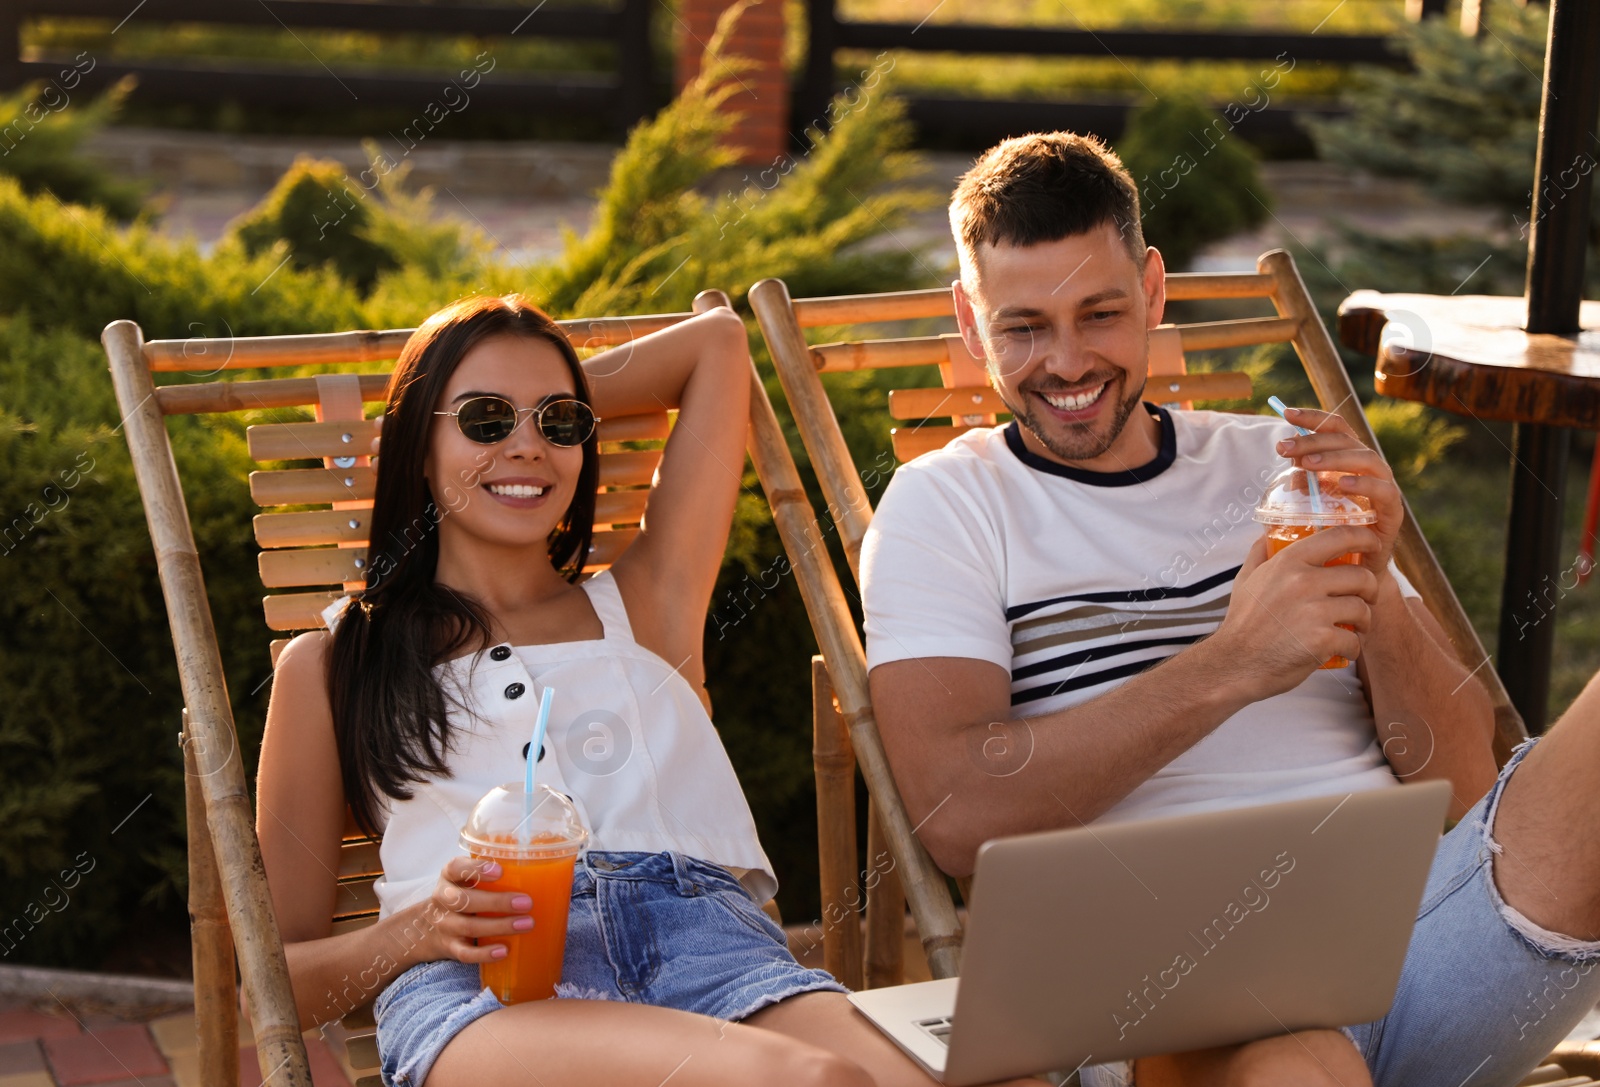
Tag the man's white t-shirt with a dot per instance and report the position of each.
(1073, 581)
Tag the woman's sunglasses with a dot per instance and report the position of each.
(490, 419)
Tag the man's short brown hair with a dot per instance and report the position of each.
(1041, 188)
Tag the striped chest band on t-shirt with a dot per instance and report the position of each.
(1071, 643)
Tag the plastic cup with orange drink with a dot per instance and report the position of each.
(1298, 503)
(535, 839)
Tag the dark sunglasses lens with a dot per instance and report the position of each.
(488, 419)
(566, 422)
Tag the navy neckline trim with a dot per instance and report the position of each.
(1165, 457)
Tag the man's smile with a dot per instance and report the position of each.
(1075, 401)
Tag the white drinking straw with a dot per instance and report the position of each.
(533, 757)
(1311, 477)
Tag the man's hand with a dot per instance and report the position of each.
(1288, 613)
(1333, 447)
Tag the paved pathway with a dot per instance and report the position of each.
(48, 1043)
(521, 194)
(51, 1045)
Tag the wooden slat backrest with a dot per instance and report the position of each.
(320, 554)
(963, 376)
(964, 399)
(800, 365)
(327, 547)
(355, 907)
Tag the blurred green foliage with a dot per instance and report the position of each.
(42, 128)
(1198, 183)
(318, 50)
(1463, 120)
(1010, 76)
(1098, 77)
(87, 677)
(314, 218)
(317, 216)
(1463, 123)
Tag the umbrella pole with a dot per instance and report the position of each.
(1557, 246)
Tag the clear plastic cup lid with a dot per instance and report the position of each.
(505, 825)
(1289, 501)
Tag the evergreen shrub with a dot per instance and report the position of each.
(42, 134)
(1198, 183)
(88, 757)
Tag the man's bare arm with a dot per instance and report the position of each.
(1432, 722)
(1433, 719)
(970, 770)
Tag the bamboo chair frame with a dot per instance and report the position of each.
(844, 720)
(229, 903)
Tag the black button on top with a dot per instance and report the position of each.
(530, 744)
(500, 652)
(515, 690)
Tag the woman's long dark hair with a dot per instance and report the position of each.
(389, 713)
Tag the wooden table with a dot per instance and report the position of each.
(1469, 355)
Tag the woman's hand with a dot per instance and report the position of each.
(451, 920)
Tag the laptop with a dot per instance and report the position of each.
(1104, 943)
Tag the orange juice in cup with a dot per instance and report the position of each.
(1298, 503)
(535, 840)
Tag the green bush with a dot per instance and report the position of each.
(88, 733)
(1198, 183)
(1412, 438)
(41, 140)
(67, 266)
(315, 218)
(1463, 122)
(319, 217)
(87, 675)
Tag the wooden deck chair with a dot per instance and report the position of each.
(844, 719)
(315, 555)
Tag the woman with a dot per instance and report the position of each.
(419, 699)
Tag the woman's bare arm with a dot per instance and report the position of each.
(701, 367)
(300, 815)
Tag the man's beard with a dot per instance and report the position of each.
(1078, 442)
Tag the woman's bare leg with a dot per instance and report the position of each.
(579, 1043)
(829, 1021)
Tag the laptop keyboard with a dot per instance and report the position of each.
(939, 1028)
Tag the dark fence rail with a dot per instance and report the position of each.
(950, 118)
(622, 98)
(1140, 44)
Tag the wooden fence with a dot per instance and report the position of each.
(975, 121)
(622, 97)
(629, 93)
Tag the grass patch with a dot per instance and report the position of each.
(1460, 501)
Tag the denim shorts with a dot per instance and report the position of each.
(646, 928)
(1485, 993)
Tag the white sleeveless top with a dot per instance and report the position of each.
(627, 740)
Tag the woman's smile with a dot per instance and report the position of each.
(519, 492)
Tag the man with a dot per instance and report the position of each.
(1072, 618)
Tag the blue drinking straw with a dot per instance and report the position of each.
(1311, 477)
(533, 757)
